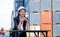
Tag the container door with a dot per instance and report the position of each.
(46, 22)
(56, 24)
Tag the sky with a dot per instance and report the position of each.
(6, 7)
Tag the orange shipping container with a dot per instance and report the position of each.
(46, 16)
(46, 21)
(47, 27)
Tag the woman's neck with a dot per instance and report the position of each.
(21, 17)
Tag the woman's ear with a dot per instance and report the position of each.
(18, 14)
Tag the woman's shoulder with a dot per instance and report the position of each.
(16, 18)
(26, 18)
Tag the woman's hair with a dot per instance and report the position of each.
(20, 10)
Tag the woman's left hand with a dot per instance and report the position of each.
(25, 19)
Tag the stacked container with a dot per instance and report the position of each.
(46, 21)
(56, 24)
(34, 23)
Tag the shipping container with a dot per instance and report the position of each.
(47, 27)
(56, 17)
(56, 24)
(56, 30)
(45, 4)
(46, 16)
(46, 21)
(56, 5)
(34, 17)
(34, 5)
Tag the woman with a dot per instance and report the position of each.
(20, 23)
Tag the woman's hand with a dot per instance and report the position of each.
(25, 19)
(27, 24)
(21, 21)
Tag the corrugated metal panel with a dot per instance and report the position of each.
(45, 4)
(46, 21)
(34, 5)
(46, 16)
(56, 5)
(56, 17)
(56, 30)
(34, 18)
(56, 23)
(47, 27)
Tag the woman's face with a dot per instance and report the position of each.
(22, 13)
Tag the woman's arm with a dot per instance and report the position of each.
(27, 24)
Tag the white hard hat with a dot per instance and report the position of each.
(21, 7)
